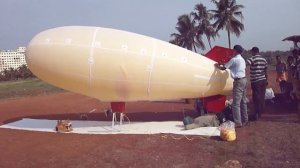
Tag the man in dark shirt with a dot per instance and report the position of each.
(258, 78)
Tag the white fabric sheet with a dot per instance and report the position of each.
(105, 127)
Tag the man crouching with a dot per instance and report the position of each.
(204, 121)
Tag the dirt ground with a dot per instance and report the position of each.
(272, 141)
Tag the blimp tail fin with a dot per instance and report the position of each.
(219, 54)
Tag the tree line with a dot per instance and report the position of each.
(203, 22)
(270, 56)
(20, 73)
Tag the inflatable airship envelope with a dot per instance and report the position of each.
(119, 66)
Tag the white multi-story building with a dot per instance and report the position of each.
(12, 59)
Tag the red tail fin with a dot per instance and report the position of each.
(220, 54)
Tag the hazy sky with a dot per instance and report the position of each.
(266, 22)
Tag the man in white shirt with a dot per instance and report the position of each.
(237, 67)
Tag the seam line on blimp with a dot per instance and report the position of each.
(204, 77)
(91, 56)
(151, 66)
(136, 53)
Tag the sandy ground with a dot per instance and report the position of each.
(272, 141)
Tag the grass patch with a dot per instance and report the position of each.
(28, 87)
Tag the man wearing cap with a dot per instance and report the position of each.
(258, 79)
(237, 67)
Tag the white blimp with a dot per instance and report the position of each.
(118, 66)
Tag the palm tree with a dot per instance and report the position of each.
(225, 16)
(202, 17)
(186, 34)
(24, 72)
(9, 74)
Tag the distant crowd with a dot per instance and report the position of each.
(288, 74)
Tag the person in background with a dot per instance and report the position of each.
(296, 75)
(237, 67)
(259, 80)
(296, 55)
(281, 72)
(291, 67)
(296, 80)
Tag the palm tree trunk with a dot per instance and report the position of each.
(195, 48)
(208, 39)
(228, 34)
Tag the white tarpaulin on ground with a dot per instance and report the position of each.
(104, 127)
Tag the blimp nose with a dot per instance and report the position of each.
(40, 57)
(58, 56)
(34, 57)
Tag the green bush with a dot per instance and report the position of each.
(16, 74)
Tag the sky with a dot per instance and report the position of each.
(266, 22)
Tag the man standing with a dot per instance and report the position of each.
(237, 67)
(258, 78)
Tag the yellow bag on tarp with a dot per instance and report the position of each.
(227, 131)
